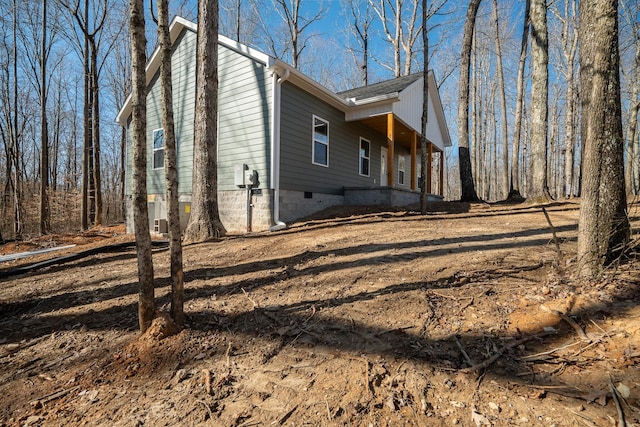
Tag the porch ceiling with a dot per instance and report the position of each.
(403, 134)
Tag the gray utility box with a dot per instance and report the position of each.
(243, 177)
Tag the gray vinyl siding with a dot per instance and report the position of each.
(402, 151)
(183, 69)
(183, 80)
(244, 104)
(298, 173)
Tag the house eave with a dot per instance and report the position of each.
(380, 99)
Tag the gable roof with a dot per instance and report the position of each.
(381, 88)
(376, 97)
(178, 25)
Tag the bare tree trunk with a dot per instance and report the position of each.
(504, 183)
(570, 143)
(553, 146)
(632, 130)
(466, 175)
(514, 191)
(238, 16)
(146, 298)
(97, 179)
(425, 111)
(570, 47)
(86, 134)
(361, 26)
(17, 169)
(603, 230)
(296, 25)
(170, 167)
(539, 191)
(632, 150)
(91, 202)
(45, 218)
(56, 140)
(204, 222)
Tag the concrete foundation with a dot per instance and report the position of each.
(294, 205)
(384, 196)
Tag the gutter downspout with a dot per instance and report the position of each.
(275, 149)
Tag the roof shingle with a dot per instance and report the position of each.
(381, 88)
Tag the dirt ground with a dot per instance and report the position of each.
(469, 316)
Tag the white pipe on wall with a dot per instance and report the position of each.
(275, 149)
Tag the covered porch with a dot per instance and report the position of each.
(393, 109)
(399, 134)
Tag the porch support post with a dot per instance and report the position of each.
(442, 173)
(429, 167)
(414, 145)
(390, 152)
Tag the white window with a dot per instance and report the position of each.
(401, 170)
(365, 149)
(158, 149)
(320, 142)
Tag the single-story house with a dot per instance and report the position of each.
(287, 146)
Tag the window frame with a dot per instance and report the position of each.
(401, 169)
(153, 154)
(314, 141)
(367, 158)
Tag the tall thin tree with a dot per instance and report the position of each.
(170, 167)
(514, 184)
(45, 218)
(17, 164)
(425, 110)
(464, 157)
(362, 21)
(569, 49)
(91, 181)
(504, 187)
(538, 188)
(146, 298)
(296, 24)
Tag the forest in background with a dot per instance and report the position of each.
(65, 71)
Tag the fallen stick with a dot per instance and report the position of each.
(207, 380)
(53, 396)
(533, 357)
(570, 321)
(616, 399)
(500, 352)
(555, 237)
(283, 419)
(464, 353)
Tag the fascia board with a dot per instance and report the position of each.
(254, 54)
(437, 102)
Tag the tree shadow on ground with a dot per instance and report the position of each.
(390, 217)
(310, 323)
(287, 268)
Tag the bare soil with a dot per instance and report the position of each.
(468, 316)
